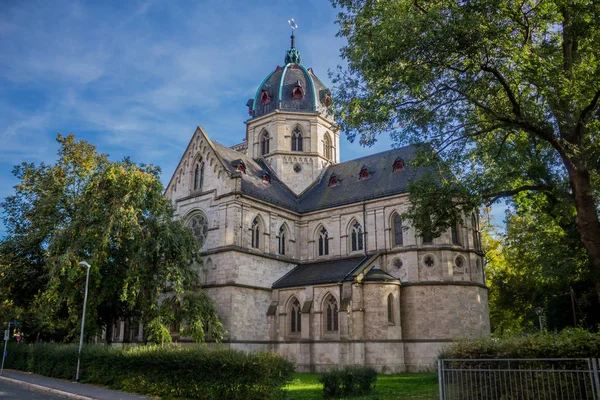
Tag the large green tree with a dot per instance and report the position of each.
(505, 92)
(112, 215)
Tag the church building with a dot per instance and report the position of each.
(308, 256)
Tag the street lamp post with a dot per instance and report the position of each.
(539, 311)
(87, 279)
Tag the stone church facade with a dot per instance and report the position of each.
(308, 256)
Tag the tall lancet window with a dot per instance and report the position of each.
(397, 230)
(297, 139)
(282, 240)
(264, 143)
(323, 242)
(256, 233)
(199, 176)
(357, 237)
(296, 317)
(327, 146)
(331, 314)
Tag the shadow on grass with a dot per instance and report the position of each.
(402, 386)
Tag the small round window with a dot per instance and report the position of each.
(199, 226)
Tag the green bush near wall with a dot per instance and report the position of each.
(168, 372)
(352, 380)
(570, 343)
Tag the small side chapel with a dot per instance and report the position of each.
(308, 256)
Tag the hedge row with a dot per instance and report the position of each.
(168, 372)
(570, 343)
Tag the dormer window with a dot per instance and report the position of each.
(398, 165)
(298, 91)
(266, 179)
(264, 97)
(364, 173)
(333, 181)
(241, 167)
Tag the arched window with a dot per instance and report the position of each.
(264, 143)
(267, 179)
(390, 308)
(327, 146)
(398, 165)
(475, 229)
(256, 233)
(297, 139)
(323, 242)
(199, 175)
(282, 240)
(364, 173)
(241, 167)
(397, 230)
(295, 317)
(333, 181)
(356, 237)
(331, 314)
(426, 234)
(455, 232)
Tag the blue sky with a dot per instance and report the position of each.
(136, 77)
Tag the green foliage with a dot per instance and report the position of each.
(505, 94)
(112, 215)
(539, 262)
(168, 372)
(352, 380)
(570, 343)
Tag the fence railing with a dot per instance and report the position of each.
(519, 379)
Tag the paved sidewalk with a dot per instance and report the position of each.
(68, 389)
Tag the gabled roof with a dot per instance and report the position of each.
(324, 272)
(253, 184)
(382, 182)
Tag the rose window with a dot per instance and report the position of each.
(199, 226)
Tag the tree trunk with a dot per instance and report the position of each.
(587, 214)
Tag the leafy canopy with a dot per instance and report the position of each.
(505, 94)
(112, 215)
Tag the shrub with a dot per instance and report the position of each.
(570, 343)
(352, 380)
(168, 372)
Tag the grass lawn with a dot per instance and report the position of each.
(403, 386)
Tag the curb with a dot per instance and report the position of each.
(46, 389)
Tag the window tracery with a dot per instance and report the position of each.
(323, 242)
(357, 237)
(297, 139)
(198, 223)
(295, 317)
(331, 314)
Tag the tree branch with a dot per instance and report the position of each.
(584, 113)
(507, 90)
(491, 198)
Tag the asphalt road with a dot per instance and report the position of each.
(8, 391)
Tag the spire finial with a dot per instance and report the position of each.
(292, 56)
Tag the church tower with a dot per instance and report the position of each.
(289, 126)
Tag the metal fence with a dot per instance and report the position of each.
(519, 379)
